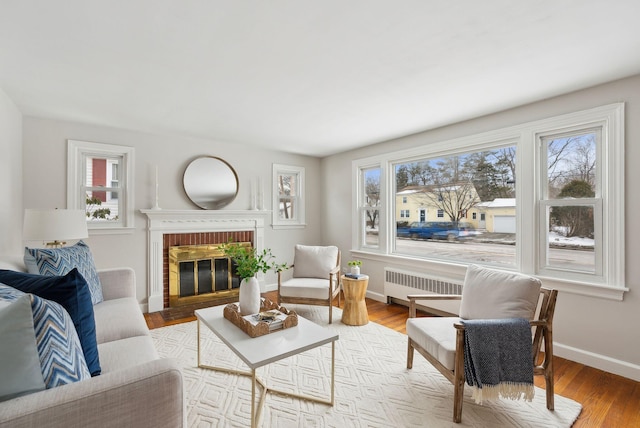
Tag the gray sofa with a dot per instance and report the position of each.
(136, 387)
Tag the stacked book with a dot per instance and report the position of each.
(354, 275)
(272, 317)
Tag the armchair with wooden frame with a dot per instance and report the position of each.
(315, 279)
(486, 294)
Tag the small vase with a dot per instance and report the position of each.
(355, 270)
(249, 296)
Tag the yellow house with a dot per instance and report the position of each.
(413, 205)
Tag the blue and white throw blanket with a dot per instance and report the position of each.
(498, 360)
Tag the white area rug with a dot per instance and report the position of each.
(373, 386)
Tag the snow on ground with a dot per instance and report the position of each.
(559, 239)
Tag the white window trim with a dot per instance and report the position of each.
(300, 221)
(75, 197)
(612, 285)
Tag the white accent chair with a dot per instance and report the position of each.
(315, 279)
(486, 294)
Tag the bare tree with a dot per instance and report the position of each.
(454, 199)
(284, 187)
(372, 190)
(584, 160)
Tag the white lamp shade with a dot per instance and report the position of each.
(54, 225)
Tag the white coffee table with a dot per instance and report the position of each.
(260, 351)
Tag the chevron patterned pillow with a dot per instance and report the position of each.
(61, 357)
(60, 261)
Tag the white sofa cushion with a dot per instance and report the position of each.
(491, 294)
(124, 353)
(314, 261)
(118, 319)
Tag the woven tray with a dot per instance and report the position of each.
(232, 313)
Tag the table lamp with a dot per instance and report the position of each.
(54, 226)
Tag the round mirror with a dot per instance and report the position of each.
(210, 182)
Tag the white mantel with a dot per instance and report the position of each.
(161, 222)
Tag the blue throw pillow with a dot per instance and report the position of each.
(58, 346)
(72, 292)
(60, 261)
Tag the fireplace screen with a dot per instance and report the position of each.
(200, 273)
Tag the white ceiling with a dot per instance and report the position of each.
(312, 77)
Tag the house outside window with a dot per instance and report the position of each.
(100, 182)
(549, 194)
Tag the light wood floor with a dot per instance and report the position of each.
(608, 400)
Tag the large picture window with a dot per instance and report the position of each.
(445, 194)
(543, 198)
(100, 182)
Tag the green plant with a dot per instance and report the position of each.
(355, 263)
(92, 208)
(249, 261)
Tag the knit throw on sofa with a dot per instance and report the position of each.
(498, 360)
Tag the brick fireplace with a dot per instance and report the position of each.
(202, 246)
(168, 228)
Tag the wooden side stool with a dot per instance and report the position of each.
(355, 308)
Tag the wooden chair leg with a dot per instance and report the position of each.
(458, 377)
(458, 396)
(409, 354)
(548, 372)
(330, 312)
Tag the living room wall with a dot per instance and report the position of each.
(10, 176)
(590, 330)
(45, 185)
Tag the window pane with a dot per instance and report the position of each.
(371, 204)
(102, 206)
(459, 207)
(287, 191)
(102, 171)
(287, 208)
(571, 165)
(571, 238)
(287, 184)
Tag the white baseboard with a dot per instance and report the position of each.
(377, 296)
(598, 361)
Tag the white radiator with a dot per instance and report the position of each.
(399, 283)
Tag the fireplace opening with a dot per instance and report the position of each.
(199, 273)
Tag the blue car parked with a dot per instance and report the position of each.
(425, 230)
(439, 230)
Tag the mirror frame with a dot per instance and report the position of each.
(201, 182)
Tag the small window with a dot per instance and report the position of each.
(100, 182)
(288, 196)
